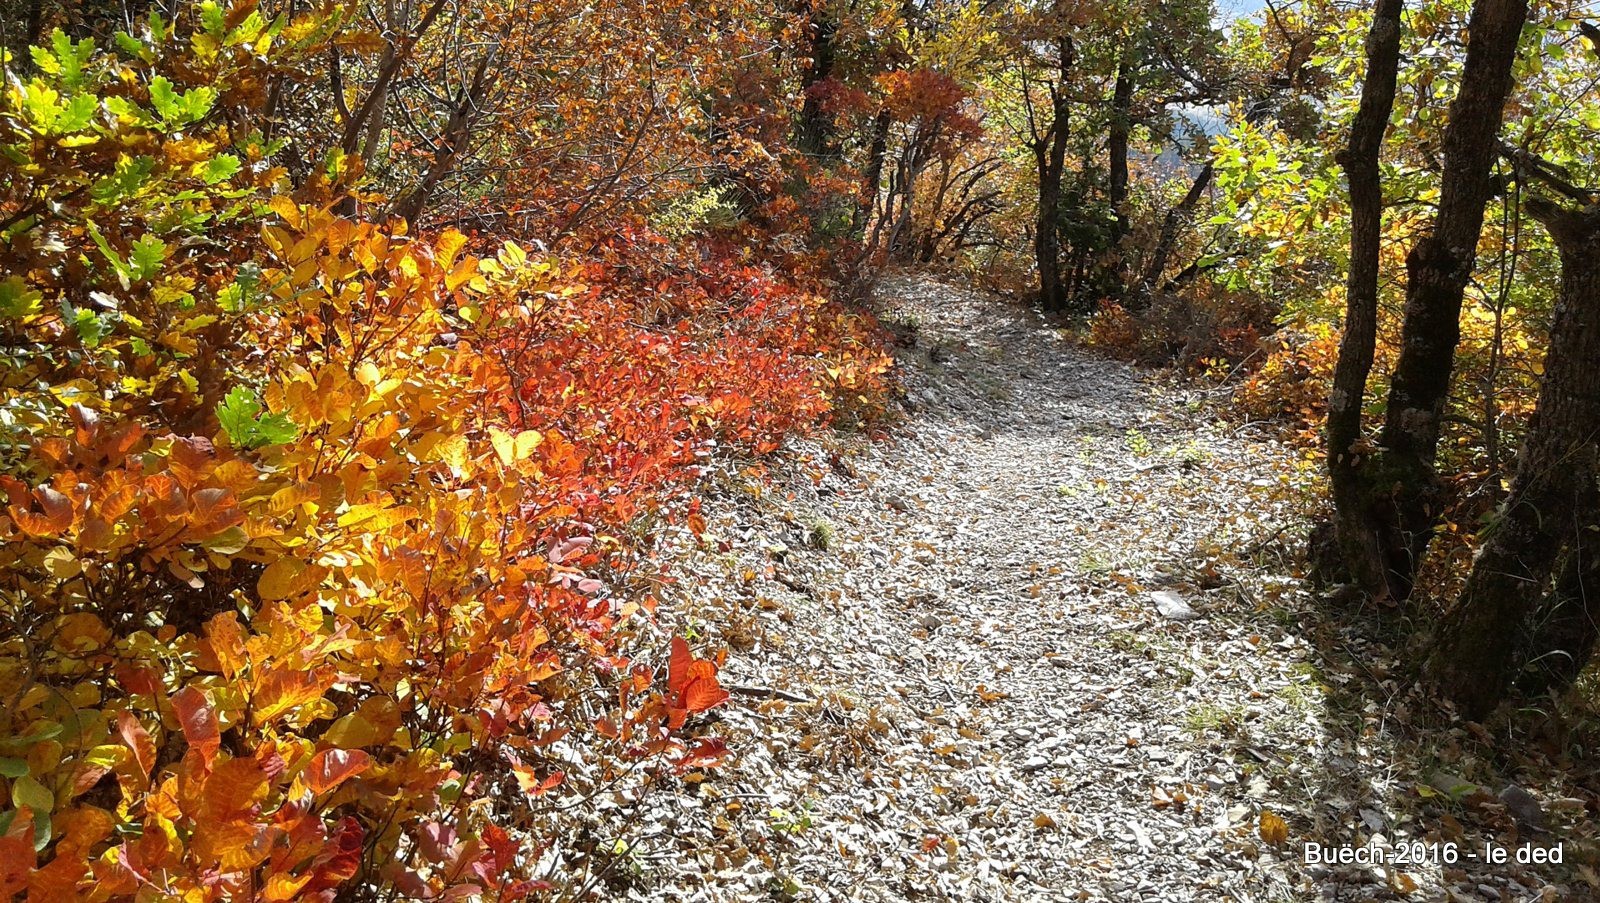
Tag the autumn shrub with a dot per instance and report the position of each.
(312, 528)
(1195, 331)
(1292, 383)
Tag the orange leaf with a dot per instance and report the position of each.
(16, 860)
(692, 680)
(226, 639)
(234, 786)
(702, 694)
(702, 753)
(57, 517)
(280, 690)
(332, 767)
(530, 783)
(678, 664)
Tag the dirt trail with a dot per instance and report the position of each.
(1049, 643)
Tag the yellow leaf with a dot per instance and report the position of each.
(290, 497)
(80, 632)
(280, 578)
(453, 451)
(1274, 830)
(512, 449)
(62, 564)
(372, 724)
(375, 517)
(512, 255)
(450, 244)
(286, 209)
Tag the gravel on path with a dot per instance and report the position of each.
(1048, 642)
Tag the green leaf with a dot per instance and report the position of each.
(164, 99)
(13, 768)
(247, 31)
(72, 56)
(90, 328)
(146, 257)
(197, 103)
(218, 168)
(240, 415)
(241, 293)
(211, 17)
(45, 61)
(131, 174)
(180, 109)
(16, 299)
(77, 114)
(237, 414)
(42, 103)
(110, 254)
(276, 429)
(47, 731)
(132, 46)
(27, 791)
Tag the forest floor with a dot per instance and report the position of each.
(1050, 641)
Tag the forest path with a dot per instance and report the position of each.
(999, 707)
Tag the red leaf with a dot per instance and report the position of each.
(437, 842)
(340, 859)
(138, 740)
(199, 723)
(499, 843)
(703, 753)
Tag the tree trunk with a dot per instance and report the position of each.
(1565, 629)
(1497, 628)
(870, 182)
(1117, 144)
(1353, 522)
(1047, 237)
(1050, 159)
(816, 130)
(468, 110)
(1169, 235)
(1438, 269)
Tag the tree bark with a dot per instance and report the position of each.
(871, 181)
(1551, 516)
(468, 110)
(1050, 160)
(816, 130)
(1168, 237)
(1438, 268)
(1568, 623)
(1121, 127)
(1353, 523)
